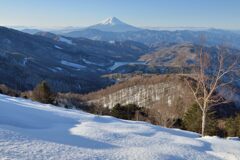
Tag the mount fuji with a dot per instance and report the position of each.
(113, 24)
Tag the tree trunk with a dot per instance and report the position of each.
(137, 115)
(203, 122)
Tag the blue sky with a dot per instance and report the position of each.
(163, 13)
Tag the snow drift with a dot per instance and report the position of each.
(30, 130)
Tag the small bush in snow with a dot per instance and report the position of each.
(42, 93)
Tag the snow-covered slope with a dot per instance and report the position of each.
(30, 130)
(113, 24)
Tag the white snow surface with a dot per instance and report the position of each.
(111, 42)
(113, 24)
(112, 21)
(65, 40)
(74, 65)
(93, 63)
(56, 46)
(34, 131)
(119, 64)
(25, 60)
(56, 69)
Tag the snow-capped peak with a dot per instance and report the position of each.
(111, 21)
(113, 24)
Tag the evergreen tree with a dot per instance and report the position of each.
(42, 93)
(192, 121)
(125, 111)
(232, 126)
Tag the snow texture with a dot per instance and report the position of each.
(111, 42)
(113, 24)
(25, 60)
(30, 130)
(57, 47)
(119, 64)
(112, 21)
(56, 69)
(93, 63)
(65, 40)
(74, 65)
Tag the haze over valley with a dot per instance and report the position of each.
(73, 86)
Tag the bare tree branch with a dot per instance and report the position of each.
(209, 79)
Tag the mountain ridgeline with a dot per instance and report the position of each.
(113, 29)
(144, 91)
(68, 64)
(151, 37)
(75, 61)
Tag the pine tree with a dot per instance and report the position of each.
(125, 111)
(232, 126)
(192, 121)
(42, 93)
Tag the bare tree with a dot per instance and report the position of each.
(213, 76)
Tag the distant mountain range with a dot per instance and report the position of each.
(113, 29)
(184, 54)
(68, 64)
(111, 24)
(76, 59)
(150, 37)
(31, 31)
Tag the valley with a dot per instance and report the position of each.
(160, 80)
(46, 55)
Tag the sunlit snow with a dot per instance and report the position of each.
(30, 130)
